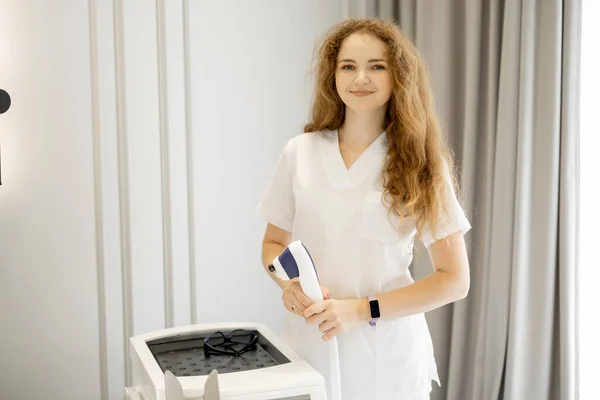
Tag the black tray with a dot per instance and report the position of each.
(184, 355)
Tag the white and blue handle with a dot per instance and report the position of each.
(295, 262)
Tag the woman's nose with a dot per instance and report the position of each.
(362, 77)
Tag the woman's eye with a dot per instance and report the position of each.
(351, 67)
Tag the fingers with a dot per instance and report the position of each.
(332, 333)
(297, 302)
(317, 319)
(311, 312)
(326, 293)
(301, 297)
(327, 325)
(293, 307)
(298, 307)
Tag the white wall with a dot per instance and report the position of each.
(49, 328)
(134, 132)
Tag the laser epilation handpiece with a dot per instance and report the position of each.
(295, 262)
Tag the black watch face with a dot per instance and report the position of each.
(374, 304)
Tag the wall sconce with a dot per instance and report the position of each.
(4, 106)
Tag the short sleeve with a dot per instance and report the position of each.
(448, 223)
(277, 205)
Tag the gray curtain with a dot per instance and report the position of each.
(505, 74)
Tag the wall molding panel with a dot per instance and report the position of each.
(141, 131)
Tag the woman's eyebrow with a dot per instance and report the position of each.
(371, 60)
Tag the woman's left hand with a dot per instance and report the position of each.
(337, 316)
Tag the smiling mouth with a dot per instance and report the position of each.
(361, 92)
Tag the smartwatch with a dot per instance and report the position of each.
(374, 308)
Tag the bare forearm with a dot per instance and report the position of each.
(449, 283)
(429, 293)
(270, 250)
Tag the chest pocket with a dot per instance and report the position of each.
(380, 225)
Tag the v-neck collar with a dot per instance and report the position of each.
(339, 175)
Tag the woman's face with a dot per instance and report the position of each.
(362, 76)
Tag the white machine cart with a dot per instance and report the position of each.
(269, 370)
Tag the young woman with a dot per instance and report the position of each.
(369, 175)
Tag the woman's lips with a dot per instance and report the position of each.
(361, 93)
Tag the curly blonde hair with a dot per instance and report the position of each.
(414, 174)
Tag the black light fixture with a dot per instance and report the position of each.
(4, 106)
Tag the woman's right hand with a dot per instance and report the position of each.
(294, 299)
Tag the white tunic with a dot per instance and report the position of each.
(338, 214)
